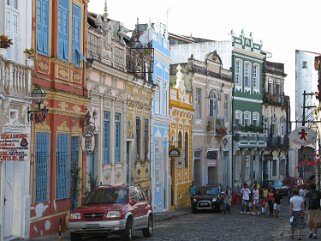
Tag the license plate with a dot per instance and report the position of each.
(203, 204)
(92, 225)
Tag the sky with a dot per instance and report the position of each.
(282, 25)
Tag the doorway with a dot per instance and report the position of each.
(8, 198)
(211, 175)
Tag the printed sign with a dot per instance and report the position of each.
(303, 136)
(13, 147)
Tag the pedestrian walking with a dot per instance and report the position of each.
(245, 198)
(270, 200)
(256, 200)
(227, 200)
(277, 203)
(297, 212)
(302, 192)
(314, 212)
(263, 206)
(264, 192)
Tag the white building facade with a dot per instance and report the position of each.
(15, 134)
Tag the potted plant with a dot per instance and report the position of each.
(30, 53)
(5, 41)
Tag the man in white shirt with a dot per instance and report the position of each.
(245, 198)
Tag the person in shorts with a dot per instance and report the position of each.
(277, 202)
(256, 200)
(297, 211)
(314, 212)
(245, 198)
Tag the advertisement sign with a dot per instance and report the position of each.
(13, 147)
(88, 142)
(303, 136)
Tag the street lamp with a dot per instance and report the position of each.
(39, 115)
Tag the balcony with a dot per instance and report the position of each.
(216, 126)
(277, 142)
(14, 79)
(279, 100)
(249, 140)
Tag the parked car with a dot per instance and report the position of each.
(209, 197)
(112, 210)
(277, 185)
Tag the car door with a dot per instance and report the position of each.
(143, 206)
(135, 209)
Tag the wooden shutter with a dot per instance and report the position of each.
(45, 26)
(39, 27)
(62, 165)
(106, 136)
(117, 137)
(76, 17)
(42, 161)
(63, 29)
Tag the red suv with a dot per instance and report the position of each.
(112, 210)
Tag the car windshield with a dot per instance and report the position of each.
(108, 195)
(208, 190)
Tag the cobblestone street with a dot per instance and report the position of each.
(216, 227)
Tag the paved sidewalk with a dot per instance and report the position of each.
(158, 217)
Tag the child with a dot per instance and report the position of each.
(263, 206)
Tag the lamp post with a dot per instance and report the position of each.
(39, 115)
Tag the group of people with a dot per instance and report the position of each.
(258, 200)
(297, 209)
(265, 198)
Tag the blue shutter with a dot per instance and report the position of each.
(75, 174)
(106, 136)
(42, 159)
(76, 17)
(62, 166)
(45, 25)
(117, 137)
(60, 34)
(63, 29)
(39, 26)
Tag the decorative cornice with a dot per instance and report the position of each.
(42, 127)
(76, 129)
(63, 127)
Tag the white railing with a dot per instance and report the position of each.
(14, 79)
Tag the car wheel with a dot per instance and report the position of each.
(147, 232)
(220, 208)
(194, 210)
(128, 232)
(75, 236)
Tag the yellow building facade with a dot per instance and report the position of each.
(181, 163)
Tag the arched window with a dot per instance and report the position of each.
(238, 118)
(256, 76)
(247, 75)
(247, 118)
(186, 150)
(238, 72)
(179, 141)
(213, 103)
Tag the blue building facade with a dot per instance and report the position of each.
(156, 35)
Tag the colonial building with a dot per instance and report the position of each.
(181, 140)
(15, 138)
(210, 81)
(248, 137)
(276, 122)
(107, 80)
(57, 163)
(156, 36)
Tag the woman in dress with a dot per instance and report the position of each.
(297, 211)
